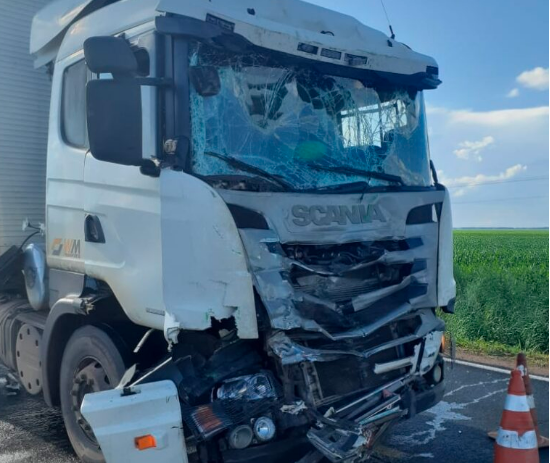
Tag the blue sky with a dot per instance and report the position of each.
(489, 119)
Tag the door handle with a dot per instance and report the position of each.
(93, 231)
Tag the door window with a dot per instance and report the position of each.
(73, 113)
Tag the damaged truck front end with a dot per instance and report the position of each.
(349, 342)
(347, 314)
(320, 247)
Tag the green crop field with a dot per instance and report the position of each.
(502, 290)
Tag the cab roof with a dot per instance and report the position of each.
(291, 26)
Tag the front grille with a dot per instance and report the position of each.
(342, 289)
(336, 255)
(335, 275)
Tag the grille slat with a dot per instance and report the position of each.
(338, 291)
(349, 278)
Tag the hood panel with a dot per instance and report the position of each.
(332, 218)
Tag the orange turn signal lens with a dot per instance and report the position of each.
(145, 442)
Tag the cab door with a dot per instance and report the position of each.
(122, 216)
(67, 146)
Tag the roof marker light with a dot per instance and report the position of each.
(307, 48)
(356, 60)
(332, 54)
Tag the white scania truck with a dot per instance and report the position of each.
(245, 241)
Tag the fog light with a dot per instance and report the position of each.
(437, 374)
(240, 437)
(264, 429)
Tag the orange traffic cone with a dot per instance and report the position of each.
(516, 438)
(522, 364)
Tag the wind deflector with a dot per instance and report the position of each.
(51, 22)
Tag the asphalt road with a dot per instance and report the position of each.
(453, 431)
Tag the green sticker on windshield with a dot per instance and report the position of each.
(310, 151)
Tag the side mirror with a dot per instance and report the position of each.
(114, 117)
(205, 80)
(110, 55)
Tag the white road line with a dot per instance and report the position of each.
(489, 368)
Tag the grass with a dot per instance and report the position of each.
(502, 291)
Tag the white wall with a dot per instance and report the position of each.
(24, 106)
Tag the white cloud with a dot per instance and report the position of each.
(499, 118)
(496, 118)
(466, 183)
(536, 78)
(513, 93)
(472, 149)
(520, 147)
(436, 109)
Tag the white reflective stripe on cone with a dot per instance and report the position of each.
(512, 440)
(531, 401)
(516, 403)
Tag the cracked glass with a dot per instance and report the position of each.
(298, 125)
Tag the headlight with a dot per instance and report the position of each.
(432, 345)
(251, 387)
(264, 429)
(240, 437)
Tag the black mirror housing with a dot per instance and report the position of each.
(114, 118)
(110, 55)
(205, 80)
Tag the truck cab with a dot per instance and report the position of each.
(240, 200)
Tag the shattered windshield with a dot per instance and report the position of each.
(307, 129)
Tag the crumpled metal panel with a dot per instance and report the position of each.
(204, 269)
(292, 352)
(270, 266)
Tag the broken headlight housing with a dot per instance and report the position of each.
(251, 387)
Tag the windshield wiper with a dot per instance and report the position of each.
(348, 170)
(245, 167)
(353, 187)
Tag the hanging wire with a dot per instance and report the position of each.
(27, 239)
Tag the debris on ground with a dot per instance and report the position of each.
(9, 382)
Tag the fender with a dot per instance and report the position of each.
(64, 318)
(67, 315)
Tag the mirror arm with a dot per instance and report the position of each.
(434, 172)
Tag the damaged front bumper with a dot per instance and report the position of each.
(350, 433)
(341, 428)
(347, 425)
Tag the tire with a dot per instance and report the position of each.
(91, 362)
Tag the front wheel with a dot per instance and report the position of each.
(91, 363)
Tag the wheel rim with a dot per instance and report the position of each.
(90, 376)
